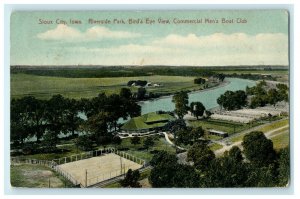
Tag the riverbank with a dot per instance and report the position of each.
(222, 84)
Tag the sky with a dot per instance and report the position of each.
(49, 38)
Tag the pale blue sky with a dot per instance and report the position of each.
(262, 40)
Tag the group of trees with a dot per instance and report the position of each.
(182, 107)
(46, 119)
(232, 100)
(184, 134)
(252, 76)
(147, 143)
(199, 80)
(262, 96)
(220, 76)
(259, 165)
(137, 83)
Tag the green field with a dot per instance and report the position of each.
(66, 150)
(268, 72)
(215, 147)
(225, 126)
(275, 125)
(265, 129)
(44, 87)
(136, 150)
(281, 140)
(35, 176)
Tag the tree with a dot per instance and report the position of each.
(201, 155)
(163, 157)
(197, 109)
(273, 96)
(235, 154)
(167, 172)
(199, 81)
(175, 125)
(29, 112)
(84, 142)
(265, 176)
(18, 123)
(125, 93)
(220, 76)
(117, 140)
(73, 121)
(182, 137)
(258, 149)
(225, 172)
(49, 142)
(181, 101)
(97, 126)
(115, 109)
(148, 142)
(131, 179)
(196, 133)
(141, 92)
(283, 92)
(232, 100)
(55, 116)
(284, 167)
(135, 140)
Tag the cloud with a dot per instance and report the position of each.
(65, 33)
(212, 50)
(236, 42)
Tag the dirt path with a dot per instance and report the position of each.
(170, 142)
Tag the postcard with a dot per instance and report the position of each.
(149, 99)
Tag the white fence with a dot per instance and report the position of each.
(94, 180)
(90, 154)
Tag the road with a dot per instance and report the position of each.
(239, 143)
(182, 156)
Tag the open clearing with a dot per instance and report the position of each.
(34, 176)
(44, 87)
(98, 168)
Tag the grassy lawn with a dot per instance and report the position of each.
(44, 87)
(274, 125)
(237, 138)
(67, 150)
(225, 126)
(140, 152)
(136, 150)
(281, 140)
(265, 129)
(215, 147)
(25, 175)
(279, 131)
(273, 72)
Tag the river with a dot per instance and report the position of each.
(207, 97)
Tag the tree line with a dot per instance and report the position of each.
(47, 119)
(258, 165)
(259, 95)
(262, 96)
(114, 71)
(181, 101)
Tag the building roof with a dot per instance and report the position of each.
(147, 121)
(218, 132)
